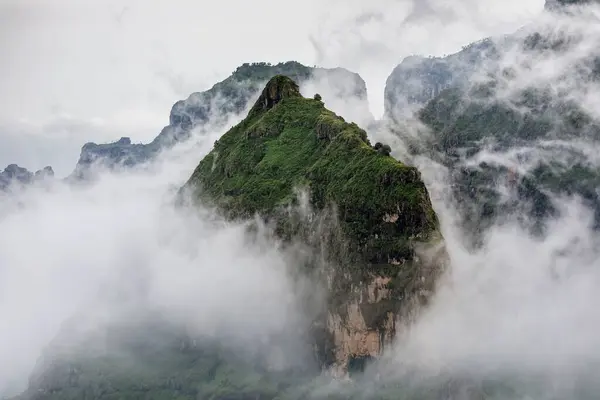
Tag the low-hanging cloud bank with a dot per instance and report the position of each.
(104, 251)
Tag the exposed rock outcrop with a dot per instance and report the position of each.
(121, 153)
(277, 89)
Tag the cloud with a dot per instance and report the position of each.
(119, 245)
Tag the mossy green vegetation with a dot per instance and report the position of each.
(288, 142)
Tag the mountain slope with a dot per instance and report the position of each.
(560, 4)
(146, 356)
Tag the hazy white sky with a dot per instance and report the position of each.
(94, 70)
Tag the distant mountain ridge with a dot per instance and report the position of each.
(417, 79)
(14, 175)
(211, 109)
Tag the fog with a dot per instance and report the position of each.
(65, 248)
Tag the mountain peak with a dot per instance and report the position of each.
(289, 142)
(278, 88)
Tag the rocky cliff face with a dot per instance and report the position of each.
(376, 211)
(355, 340)
(415, 81)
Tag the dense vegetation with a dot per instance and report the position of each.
(376, 210)
(290, 142)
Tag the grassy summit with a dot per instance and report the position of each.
(287, 142)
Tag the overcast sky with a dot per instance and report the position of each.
(74, 71)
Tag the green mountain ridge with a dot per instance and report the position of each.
(381, 209)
